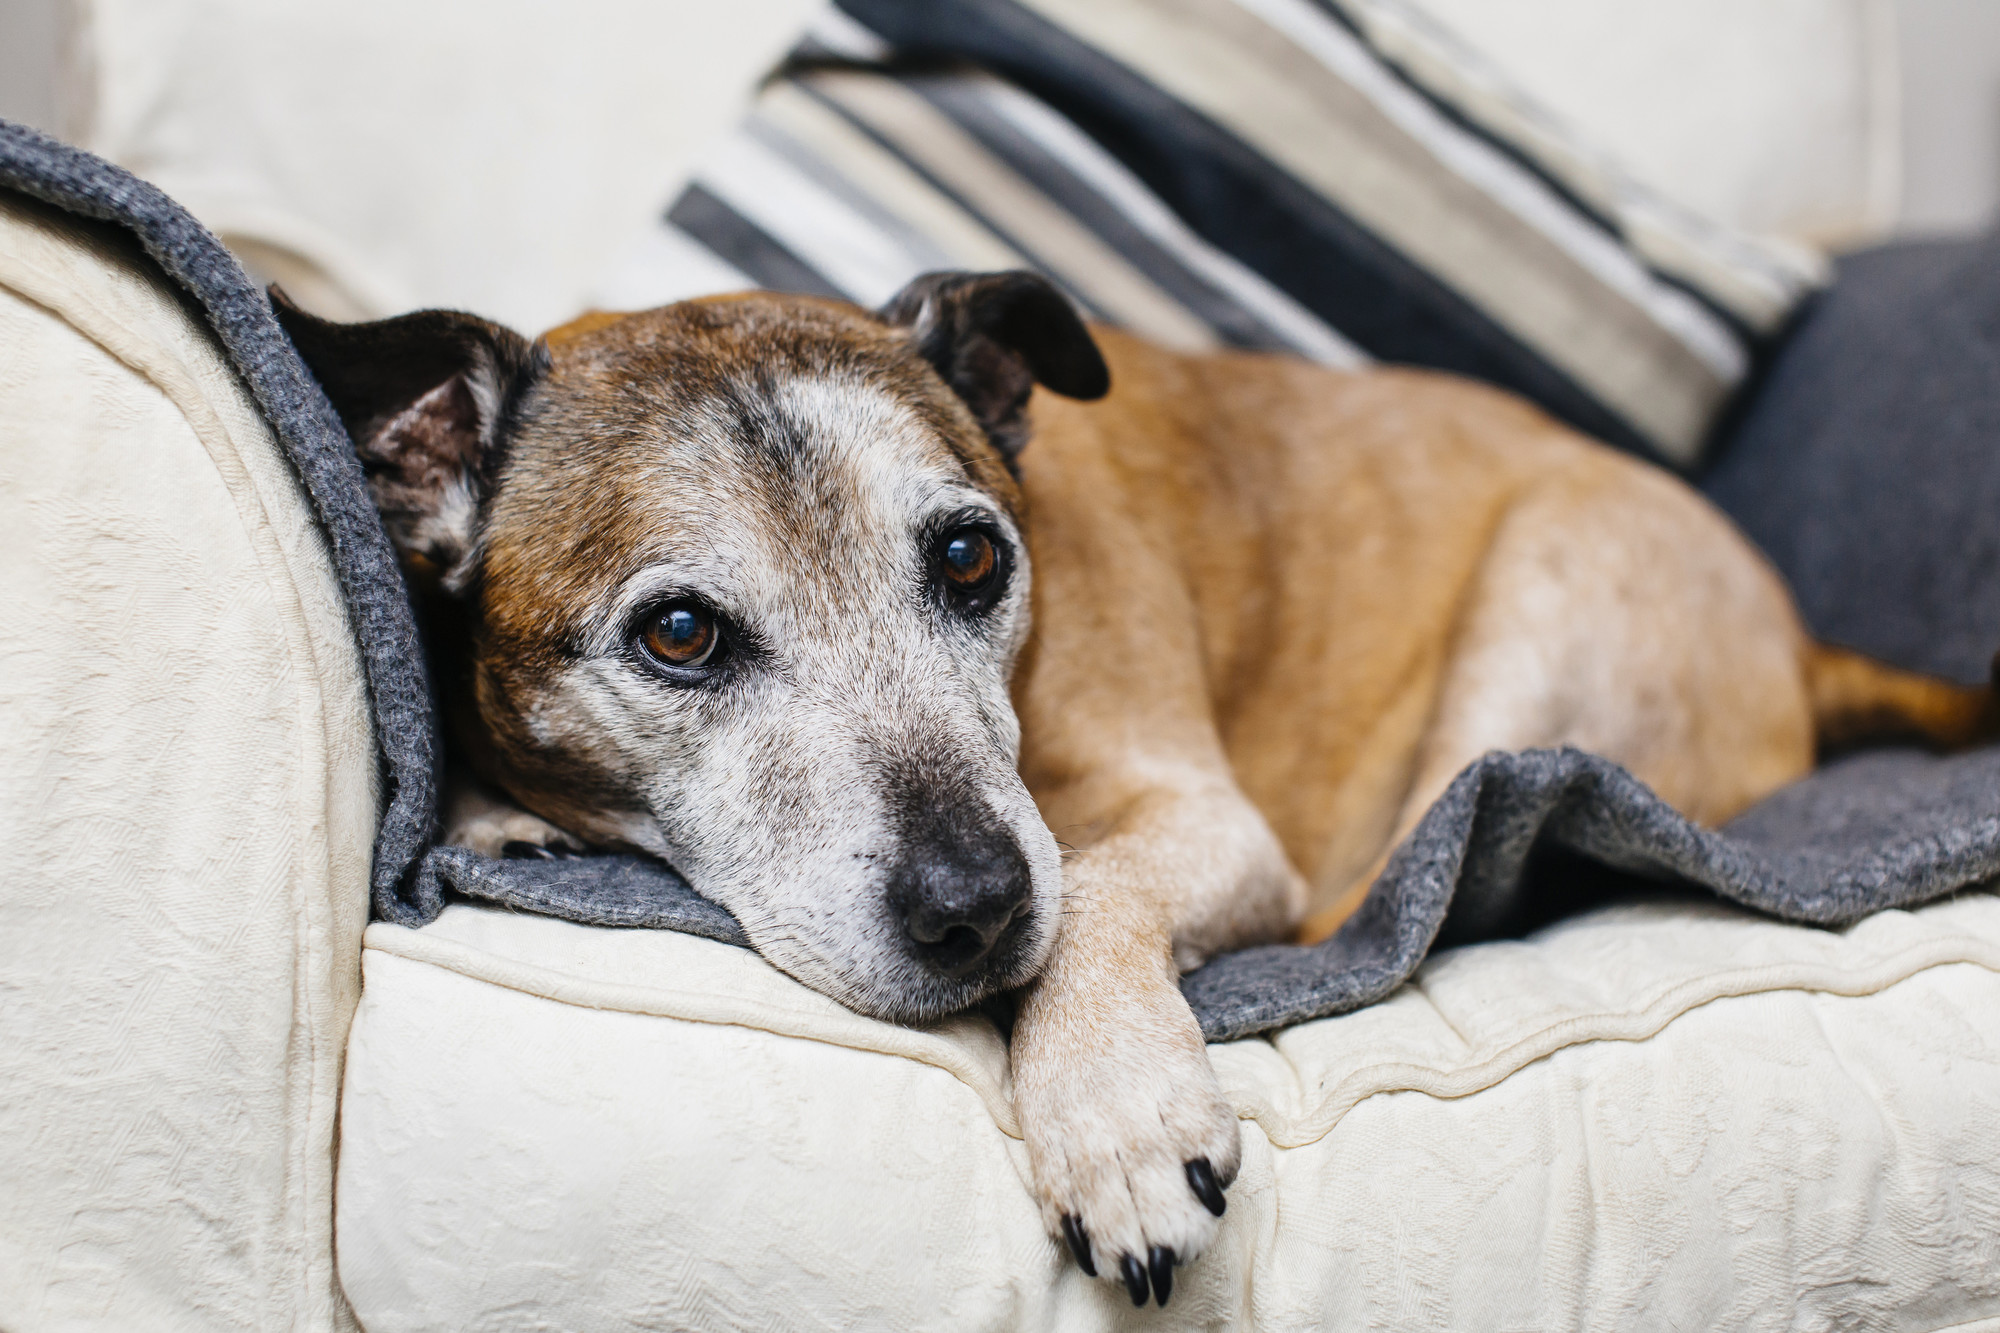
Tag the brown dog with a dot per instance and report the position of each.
(744, 583)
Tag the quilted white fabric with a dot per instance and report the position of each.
(1657, 1116)
(186, 808)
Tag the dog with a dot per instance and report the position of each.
(746, 583)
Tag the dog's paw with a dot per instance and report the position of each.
(490, 824)
(1129, 1137)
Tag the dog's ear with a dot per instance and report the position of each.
(423, 397)
(993, 337)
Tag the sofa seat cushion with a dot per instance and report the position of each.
(1670, 1106)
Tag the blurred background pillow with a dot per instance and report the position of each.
(1867, 464)
(1329, 179)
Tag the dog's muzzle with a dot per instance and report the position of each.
(962, 893)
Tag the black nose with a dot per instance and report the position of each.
(960, 888)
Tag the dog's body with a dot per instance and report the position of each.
(1276, 608)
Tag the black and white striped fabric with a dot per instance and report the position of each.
(1337, 180)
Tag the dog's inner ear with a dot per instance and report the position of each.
(423, 397)
(992, 337)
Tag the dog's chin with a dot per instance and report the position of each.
(901, 988)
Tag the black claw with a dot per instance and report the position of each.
(517, 850)
(1201, 1179)
(1079, 1243)
(1134, 1274)
(1161, 1262)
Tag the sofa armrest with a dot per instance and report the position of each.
(188, 797)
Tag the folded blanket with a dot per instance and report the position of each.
(310, 432)
(1513, 834)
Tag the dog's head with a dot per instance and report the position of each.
(741, 584)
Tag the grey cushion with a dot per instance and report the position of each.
(1868, 464)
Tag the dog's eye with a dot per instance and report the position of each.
(681, 634)
(969, 560)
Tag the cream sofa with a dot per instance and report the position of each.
(1656, 1115)
(1666, 1115)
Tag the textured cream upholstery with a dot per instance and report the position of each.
(187, 801)
(1656, 1116)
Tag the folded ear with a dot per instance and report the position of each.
(993, 337)
(424, 397)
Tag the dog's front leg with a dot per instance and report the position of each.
(1130, 1139)
(486, 820)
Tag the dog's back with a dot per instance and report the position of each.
(1364, 580)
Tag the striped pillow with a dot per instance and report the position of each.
(1340, 180)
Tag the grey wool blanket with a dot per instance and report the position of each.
(1865, 463)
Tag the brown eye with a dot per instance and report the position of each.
(969, 560)
(681, 634)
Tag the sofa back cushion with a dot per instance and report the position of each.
(1868, 463)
